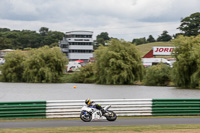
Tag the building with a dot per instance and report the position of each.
(77, 45)
(150, 59)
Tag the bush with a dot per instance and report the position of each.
(157, 75)
(85, 75)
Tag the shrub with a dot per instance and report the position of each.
(157, 75)
(85, 75)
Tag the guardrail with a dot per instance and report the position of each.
(176, 107)
(30, 109)
(122, 107)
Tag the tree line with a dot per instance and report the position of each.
(189, 27)
(17, 39)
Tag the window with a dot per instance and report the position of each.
(64, 46)
(80, 51)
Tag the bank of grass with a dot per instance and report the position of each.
(75, 77)
(67, 78)
(145, 48)
(1, 78)
(110, 129)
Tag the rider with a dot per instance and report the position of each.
(90, 103)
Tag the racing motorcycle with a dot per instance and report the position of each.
(91, 113)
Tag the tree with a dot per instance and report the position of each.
(151, 39)
(190, 26)
(44, 65)
(139, 41)
(44, 31)
(186, 69)
(5, 43)
(164, 37)
(4, 29)
(103, 35)
(29, 38)
(101, 41)
(119, 63)
(102, 38)
(13, 68)
(52, 37)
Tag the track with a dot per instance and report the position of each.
(118, 122)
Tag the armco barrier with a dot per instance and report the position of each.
(31, 109)
(176, 107)
(122, 107)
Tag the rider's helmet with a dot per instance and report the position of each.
(88, 101)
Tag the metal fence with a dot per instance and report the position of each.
(122, 107)
(30, 109)
(175, 107)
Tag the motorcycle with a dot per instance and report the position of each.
(91, 113)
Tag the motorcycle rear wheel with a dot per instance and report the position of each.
(111, 116)
(85, 116)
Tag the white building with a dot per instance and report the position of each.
(77, 45)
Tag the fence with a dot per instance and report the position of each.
(31, 109)
(122, 107)
(176, 107)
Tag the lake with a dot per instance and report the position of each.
(66, 91)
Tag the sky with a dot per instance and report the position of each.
(122, 19)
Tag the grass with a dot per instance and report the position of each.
(109, 129)
(145, 48)
(66, 78)
(120, 117)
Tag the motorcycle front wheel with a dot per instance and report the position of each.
(111, 116)
(85, 116)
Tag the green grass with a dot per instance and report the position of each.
(145, 48)
(108, 129)
(1, 78)
(66, 78)
(120, 117)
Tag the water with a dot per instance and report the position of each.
(66, 91)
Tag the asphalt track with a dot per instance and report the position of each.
(118, 122)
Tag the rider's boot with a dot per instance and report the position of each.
(103, 111)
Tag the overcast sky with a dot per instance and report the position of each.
(123, 19)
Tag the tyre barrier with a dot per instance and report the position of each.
(122, 107)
